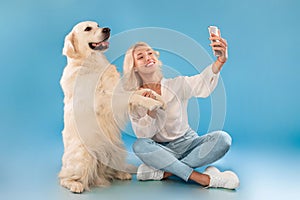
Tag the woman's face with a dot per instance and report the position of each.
(145, 60)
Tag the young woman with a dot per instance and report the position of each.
(165, 142)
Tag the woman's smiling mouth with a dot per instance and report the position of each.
(149, 64)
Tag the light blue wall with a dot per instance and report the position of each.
(261, 78)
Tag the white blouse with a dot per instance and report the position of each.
(172, 123)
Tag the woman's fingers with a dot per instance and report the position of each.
(219, 49)
(218, 39)
(215, 37)
(219, 44)
(223, 41)
(146, 94)
(149, 94)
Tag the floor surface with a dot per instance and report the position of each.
(29, 171)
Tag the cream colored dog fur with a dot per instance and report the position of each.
(94, 110)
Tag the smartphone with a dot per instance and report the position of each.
(215, 30)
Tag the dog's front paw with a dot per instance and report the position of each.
(152, 104)
(76, 187)
(146, 102)
(73, 186)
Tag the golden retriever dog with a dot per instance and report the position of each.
(94, 111)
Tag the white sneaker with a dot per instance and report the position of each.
(227, 179)
(145, 172)
(211, 170)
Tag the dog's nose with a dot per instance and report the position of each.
(105, 30)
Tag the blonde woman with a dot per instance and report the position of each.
(165, 142)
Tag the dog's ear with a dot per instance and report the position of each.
(70, 45)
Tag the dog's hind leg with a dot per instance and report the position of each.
(120, 175)
(69, 180)
(78, 167)
(72, 185)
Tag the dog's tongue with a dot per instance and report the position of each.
(96, 44)
(105, 43)
(100, 43)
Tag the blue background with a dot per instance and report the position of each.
(261, 77)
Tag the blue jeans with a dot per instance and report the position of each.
(182, 155)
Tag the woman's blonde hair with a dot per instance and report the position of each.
(132, 80)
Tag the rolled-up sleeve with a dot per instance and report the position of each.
(200, 85)
(146, 126)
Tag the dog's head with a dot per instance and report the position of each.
(85, 38)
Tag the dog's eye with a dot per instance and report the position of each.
(88, 28)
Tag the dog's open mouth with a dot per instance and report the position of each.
(99, 45)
